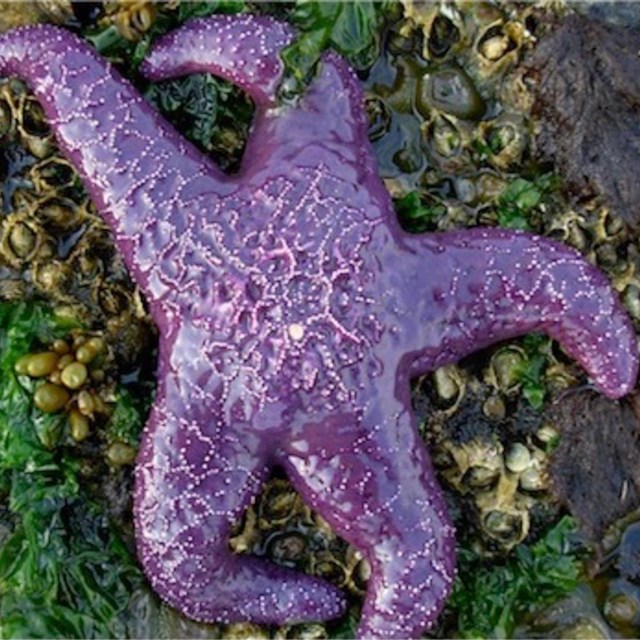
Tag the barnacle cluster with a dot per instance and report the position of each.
(490, 447)
(455, 115)
(54, 247)
(52, 244)
(608, 242)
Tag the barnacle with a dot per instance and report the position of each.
(309, 631)
(21, 239)
(53, 174)
(34, 132)
(442, 24)
(358, 572)
(447, 139)
(503, 372)
(450, 386)
(133, 18)
(498, 45)
(507, 138)
(7, 119)
(278, 504)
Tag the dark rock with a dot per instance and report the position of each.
(588, 102)
(629, 553)
(625, 14)
(595, 470)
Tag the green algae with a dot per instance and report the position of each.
(488, 600)
(64, 569)
(516, 204)
(350, 28)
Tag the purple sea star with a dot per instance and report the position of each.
(292, 312)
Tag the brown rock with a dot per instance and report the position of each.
(595, 470)
(588, 102)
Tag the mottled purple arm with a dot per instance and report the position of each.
(245, 50)
(196, 473)
(241, 49)
(138, 170)
(373, 481)
(485, 285)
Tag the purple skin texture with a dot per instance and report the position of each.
(293, 312)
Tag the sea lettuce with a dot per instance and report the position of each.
(490, 598)
(350, 28)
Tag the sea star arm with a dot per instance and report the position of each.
(481, 286)
(140, 173)
(195, 475)
(327, 118)
(240, 48)
(372, 480)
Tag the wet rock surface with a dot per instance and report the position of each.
(588, 102)
(625, 14)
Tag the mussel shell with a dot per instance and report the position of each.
(450, 90)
